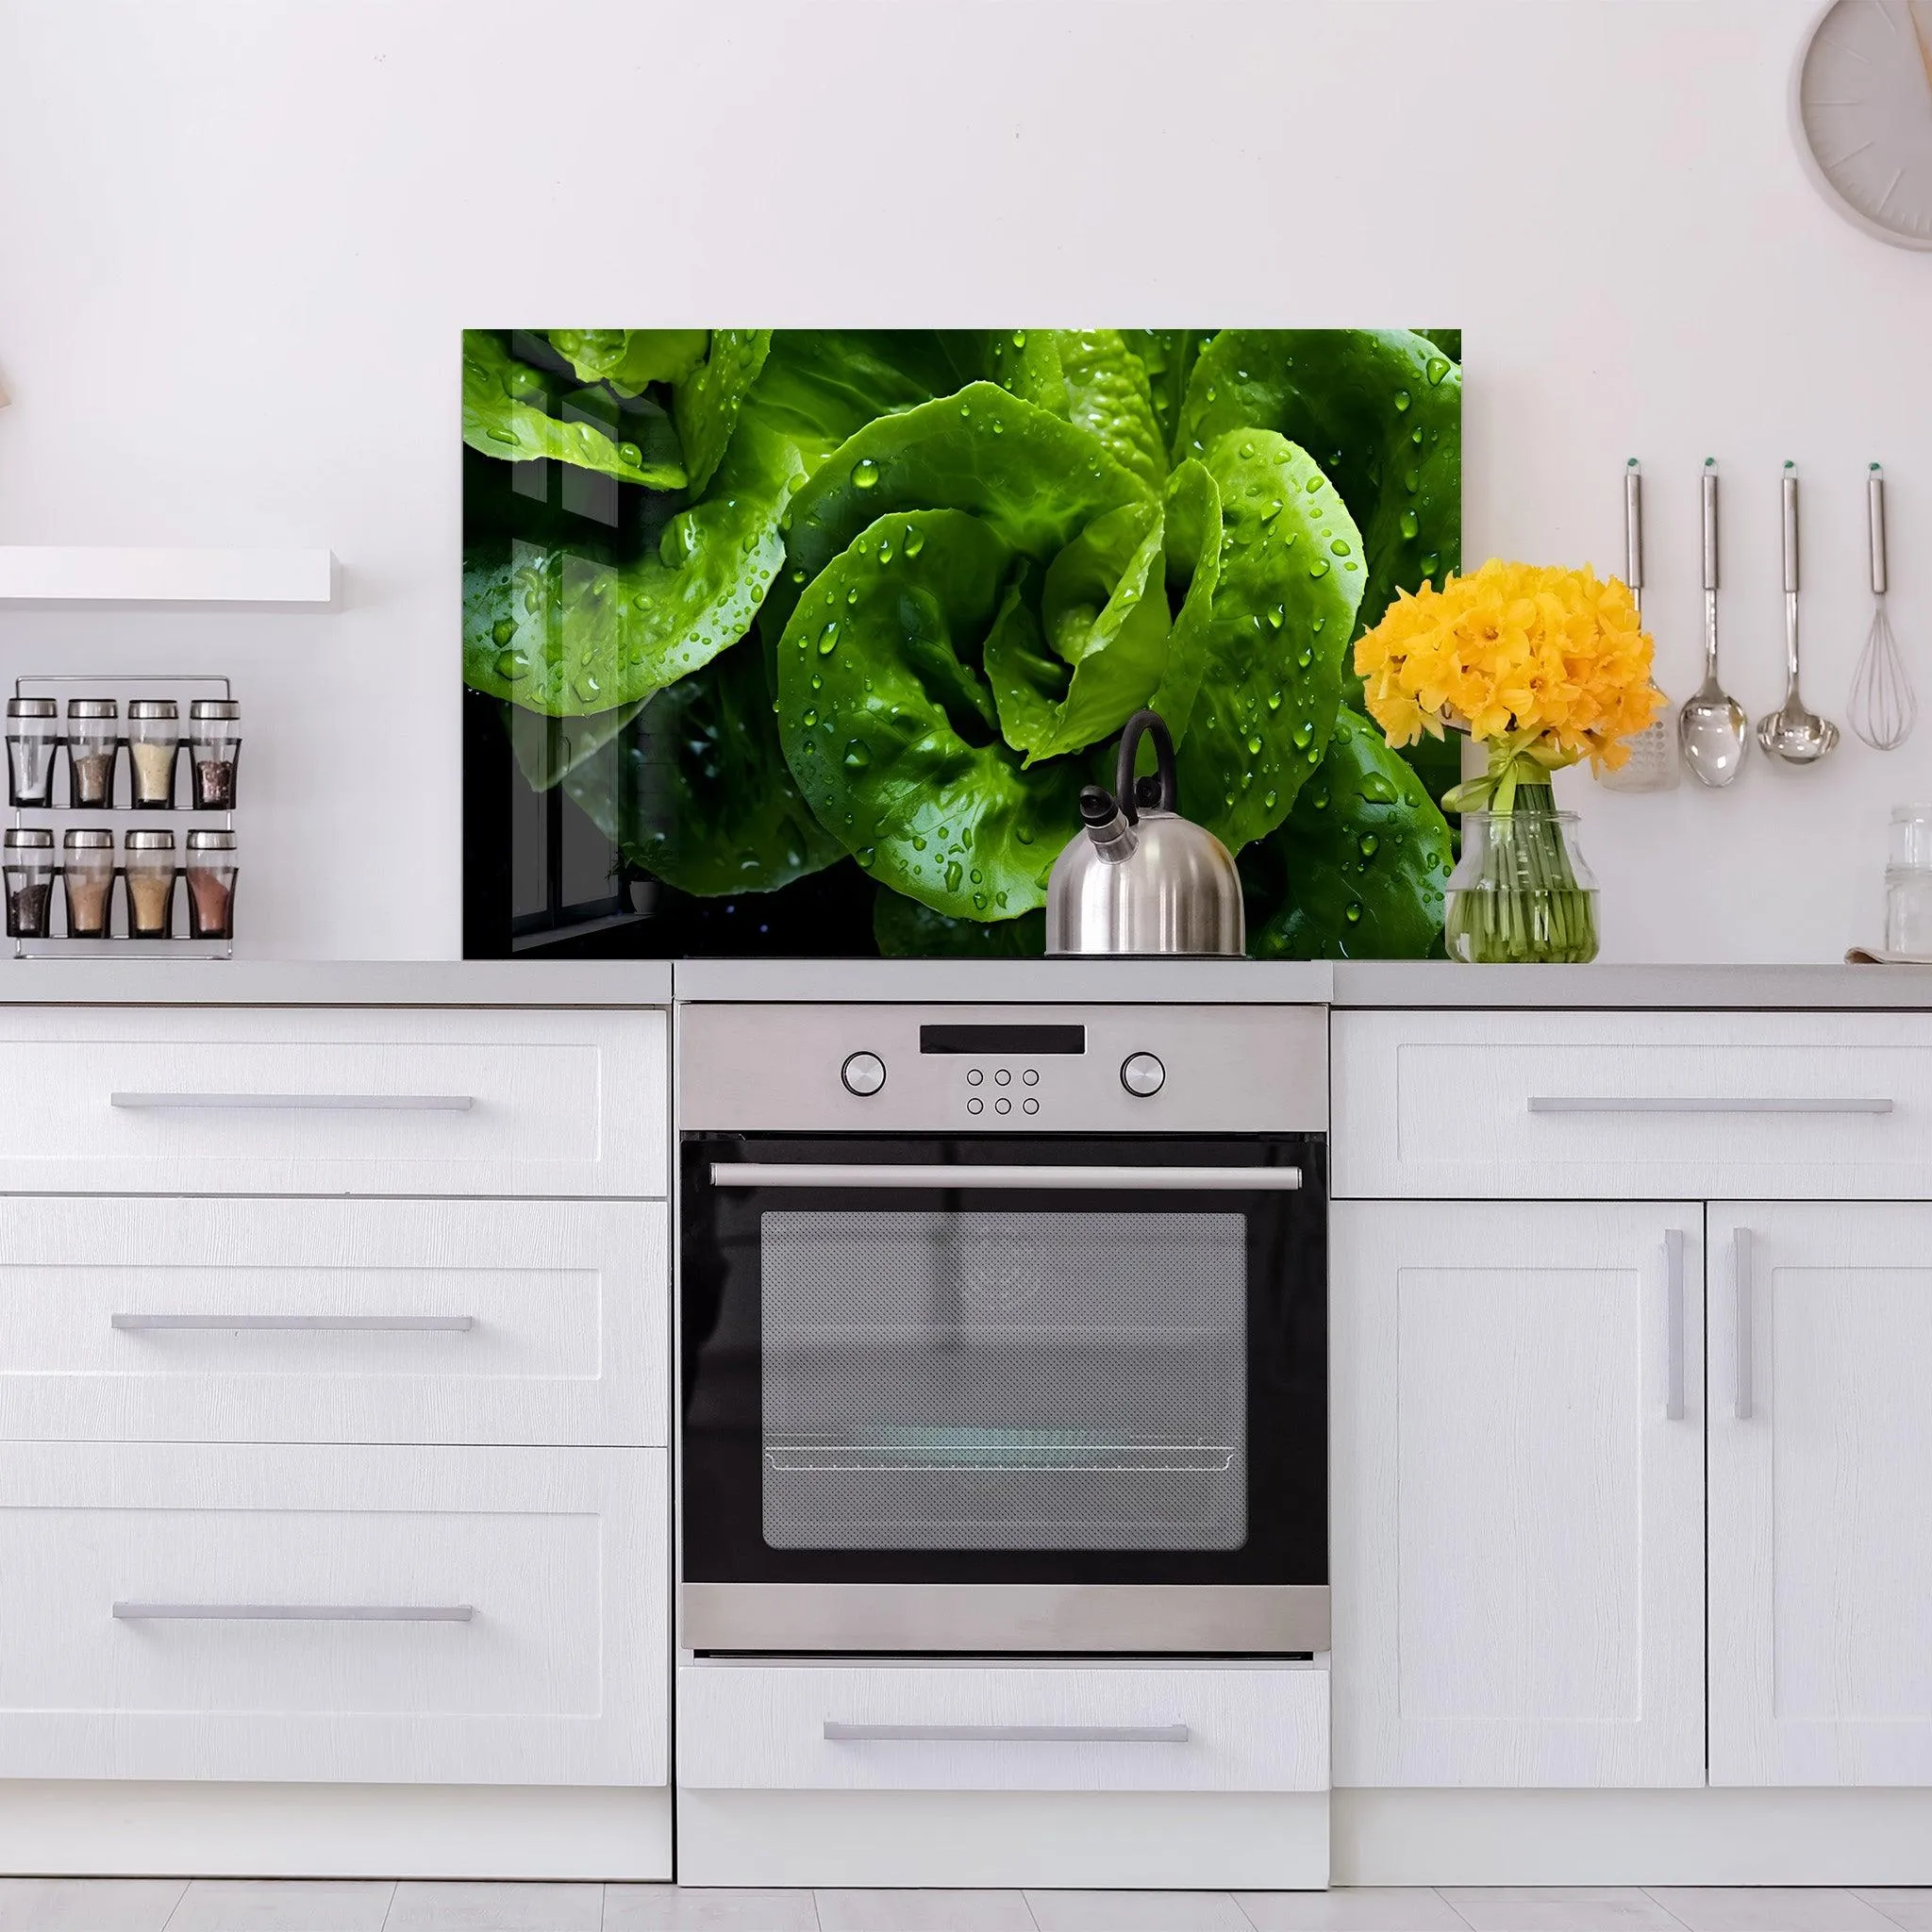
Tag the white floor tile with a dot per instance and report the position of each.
(421, 1905)
(1365, 1909)
(289, 1905)
(87, 1905)
(1559, 1909)
(704, 1908)
(1769, 1908)
(1137, 1911)
(923, 1911)
(1908, 1906)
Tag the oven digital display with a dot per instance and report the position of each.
(1002, 1040)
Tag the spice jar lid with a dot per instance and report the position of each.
(30, 838)
(32, 707)
(93, 708)
(214, 708)
(88, 838)
(150, 842)
(210, 842)
(154, 708)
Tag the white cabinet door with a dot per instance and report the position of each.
(1820, 1495)
(1518, 1493)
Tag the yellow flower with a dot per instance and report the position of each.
(1556, 660)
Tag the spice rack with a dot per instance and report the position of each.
(38, 859)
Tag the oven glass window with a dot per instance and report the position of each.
(962, 1380)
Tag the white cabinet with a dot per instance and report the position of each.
(1820, 1495)
(1518, 1493)
(378, 1616)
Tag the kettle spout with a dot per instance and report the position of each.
(1113, 835)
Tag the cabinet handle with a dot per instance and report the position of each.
(452, 1324)
(1673, 1324)
(1574, 1102)
(326, 1102)
(295, 1613)
(1740, 1271)
(836, 1733)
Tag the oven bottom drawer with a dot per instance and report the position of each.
(979, 1726)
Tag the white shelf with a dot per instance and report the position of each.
(50, 574)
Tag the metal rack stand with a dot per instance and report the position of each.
(117, 944)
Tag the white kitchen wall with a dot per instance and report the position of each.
(239, 238)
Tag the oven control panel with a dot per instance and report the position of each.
(860, 1067)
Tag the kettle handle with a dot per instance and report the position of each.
(1163, 753)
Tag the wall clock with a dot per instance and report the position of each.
(1861, 113)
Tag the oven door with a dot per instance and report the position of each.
(1004, 1393)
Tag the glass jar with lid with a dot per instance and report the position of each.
(33, 736)
(153, 747)
(87, 869)
(1908, 883)
(148, 863)
(94, 743)
(215, 747)
(29, 871)
(211, 868)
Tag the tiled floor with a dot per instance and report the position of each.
(210, 1904)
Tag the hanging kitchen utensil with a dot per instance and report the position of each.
(1712, 730)
(1139, 878)
(1795, 734)
(1652, 765)
(1882, 708)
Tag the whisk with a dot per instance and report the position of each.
(1883, 707)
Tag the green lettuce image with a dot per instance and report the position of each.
(876, 604)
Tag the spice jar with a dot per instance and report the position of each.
(148, 861)
(33, 736)
(214, 745)
(154, 744)
(29, 869)
(93, 737)
(211, 867)
(87, 865)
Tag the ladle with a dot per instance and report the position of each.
(1794, 734)
(1711, 727)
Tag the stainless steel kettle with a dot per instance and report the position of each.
(1139, 878)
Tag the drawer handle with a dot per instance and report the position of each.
(836, 1733)
(1673, 1324)
(387, 1324)
(1570, 1103)
(757, 1173)
(295, 1613)
(326, 1102)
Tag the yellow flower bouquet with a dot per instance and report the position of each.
(1546, 667)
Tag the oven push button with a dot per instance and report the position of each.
(863, 1073)
(1142, 1074)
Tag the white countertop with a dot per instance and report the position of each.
(1108, 982)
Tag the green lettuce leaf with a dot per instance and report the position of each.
(500, 419)
(628, 359)
(904, 929)
(889, 728)
(560, 631)
(706, 403)
(1357, 870)
(1167, 356)
(1108, 395)
(1102, 612)
(697, 792)
(1254, 669)
(1379, 409)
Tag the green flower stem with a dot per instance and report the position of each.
(1527, 907)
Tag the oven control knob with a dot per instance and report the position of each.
(1142, 1073)
(863, 1073)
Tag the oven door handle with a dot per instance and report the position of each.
(1240, 1180)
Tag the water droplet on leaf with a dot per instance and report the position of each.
(865, 473)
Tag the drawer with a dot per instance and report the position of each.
(446, 1616)
(332, 1101)
(865, 1726)
(185, 1319)
(1604, 1106)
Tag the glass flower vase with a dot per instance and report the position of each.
(1521, 894)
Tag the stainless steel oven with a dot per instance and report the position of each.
(1004, 1329)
